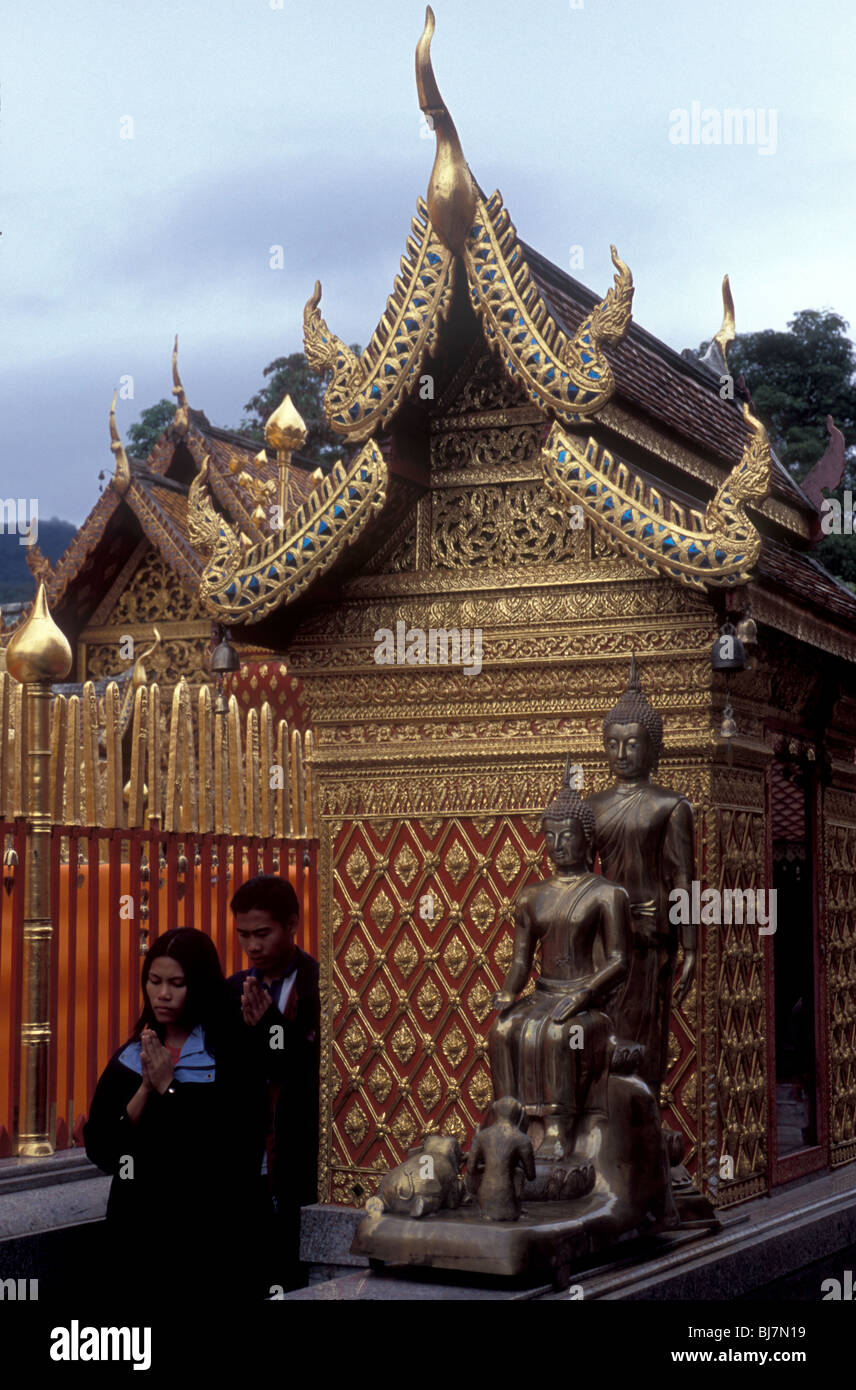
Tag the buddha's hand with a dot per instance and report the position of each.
(572, 1004)
(685, 983)
(503, 1001)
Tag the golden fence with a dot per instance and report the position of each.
(200, 771)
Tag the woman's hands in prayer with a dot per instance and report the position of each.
(156, 1062)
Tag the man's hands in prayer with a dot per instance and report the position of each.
(255, 1001)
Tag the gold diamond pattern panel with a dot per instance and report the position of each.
(423, 926)
(422, 938)
(741, 1070)
(841, 986)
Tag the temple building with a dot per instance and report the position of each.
(542, 490)
(537, 490)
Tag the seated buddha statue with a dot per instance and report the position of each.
(551, 1050)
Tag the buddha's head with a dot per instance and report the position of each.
(569, 826)
(632, 734)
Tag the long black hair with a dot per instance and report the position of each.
(206, 1002)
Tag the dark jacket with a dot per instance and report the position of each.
(195, 1154)
(293, 1070)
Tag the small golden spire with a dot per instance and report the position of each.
(181, 419)
(726, 335)
(285, 431)
(121, 479)
(452, 194)
(38, 650)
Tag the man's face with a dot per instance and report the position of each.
(268, 943)
(566, 843)
(628, 751)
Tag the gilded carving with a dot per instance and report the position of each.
(356, 958)
(406, 956)
(455, 956)
(366, 391)
(509, 524)
(455, 1046)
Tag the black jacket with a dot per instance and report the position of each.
(294, 1070)
(195, 1152)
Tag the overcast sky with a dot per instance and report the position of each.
(295, 122)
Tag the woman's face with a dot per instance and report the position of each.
(166, 989)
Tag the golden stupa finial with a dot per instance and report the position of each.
(726, 335)
(121, 479)
(285, 431)
(138, 676)
(38, 650)
(181, 419)
(452, 194)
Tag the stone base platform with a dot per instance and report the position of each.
(541, 1247)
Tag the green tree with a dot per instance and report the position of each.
(293, 376)
(144, 435)
(796, 379)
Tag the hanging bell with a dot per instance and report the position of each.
(729, 727)
(727, 652)
(10, 864)
(224, 659)
(747, 632)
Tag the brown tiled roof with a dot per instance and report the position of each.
(806, 579)
(653, 380)
(162, 514)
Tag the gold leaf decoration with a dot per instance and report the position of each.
(354, 1041)
(406, 865)
(482, 910)
(403, 1043)
(380, 1083)
(429, 999)
(457, 862)
(337, 915)
(356, 958)
(481, 1090)
(429, 1089)
(480, 1001)
(382, 911)
(432, 826)
(455, 956)
(356, 1123)
(335, 1001)
(404, 1128)
(406, 956)
(508, 862)
(379, 999)
(689, 1096)
(454, 1124)
(504, 953)
(357, 866)
(455, 1046)
(674, 1050)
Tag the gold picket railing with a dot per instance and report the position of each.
(198, 771)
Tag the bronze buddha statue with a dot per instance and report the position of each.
(551, 1049)
(645, 842)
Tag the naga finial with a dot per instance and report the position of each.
(138, 675)
(610, 319)
(452, 194)
(121, 479)
(181, 419)
(726, 335)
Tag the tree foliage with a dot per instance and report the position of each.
(293, 376)
(796, 379)
(145, 433)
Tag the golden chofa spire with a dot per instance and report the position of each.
(38, 650)
(285, 431)
(726, 335)
(181, 419)
(452, 193)
(121, 479)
